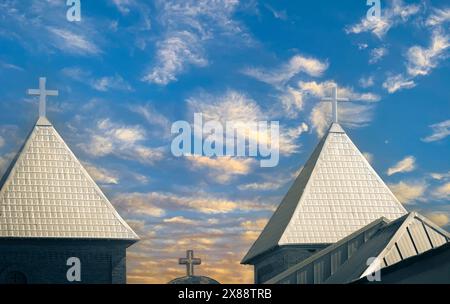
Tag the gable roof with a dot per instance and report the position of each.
(335, 194)
(407, 237)
(46, 193)
(343, 245)
(347, 260)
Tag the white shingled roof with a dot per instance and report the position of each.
(336, 193)
(46, 193)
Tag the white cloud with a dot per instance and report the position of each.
(439, 218)
(158, 203)
(366, 82)
(151, 115)
(292, 102)
(70, 42)
(10, 66)
(362, 46)
(101, 175)
(123, 141)
(115, 82)
(396, 13)
(278, 14)
(223, 169)
(189, 25)
(408, 192)
(102, 84)
(174, 53)
(291, 98)
(280, 75)
(179, 220)
(377, 54)
(398, 82)
(440, 176)
(439, 131)
(123, 5)
(442, 192)
(420, 61)
(439, 17)
(41, 27)
(323, 89)
(407, 164)
(134, 204)
(236, 107)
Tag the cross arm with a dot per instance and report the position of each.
(34, 92)
(52, 92)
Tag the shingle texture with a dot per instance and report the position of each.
(336, 193)
(46, 193)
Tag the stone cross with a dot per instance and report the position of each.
(190, 261)
(334, 101)
(42, 92)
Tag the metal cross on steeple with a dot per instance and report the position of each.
(42, 93)
(334, 101)
(190, 261)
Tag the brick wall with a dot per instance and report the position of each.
(45, 261)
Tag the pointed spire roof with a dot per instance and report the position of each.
(46, 193)
(335, 194)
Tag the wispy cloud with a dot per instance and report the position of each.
(223, 169)
(398, 82)
(123, 141)
(277, 14)
(189, 25)
(420, 60)
(115, 82)
(234, 106)
(101, 175)
(407, 164)
(41, 26)
(438, 17)
(146, 203)
(10, 66)
(366, 82)
(377, 54)
(174, 54)
(408, 192)
(102, 84)
(396, 13)
(439, 218)
(71, 42)
(439, 131)
(280, 75)
(442, 192)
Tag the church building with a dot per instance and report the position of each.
(337, 216)
(56, 225)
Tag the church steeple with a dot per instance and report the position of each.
(336, 193)
(46, 192)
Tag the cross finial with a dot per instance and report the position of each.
(42, 93)
(190, 261)
(334, 101)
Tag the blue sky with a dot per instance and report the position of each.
(131, 68)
